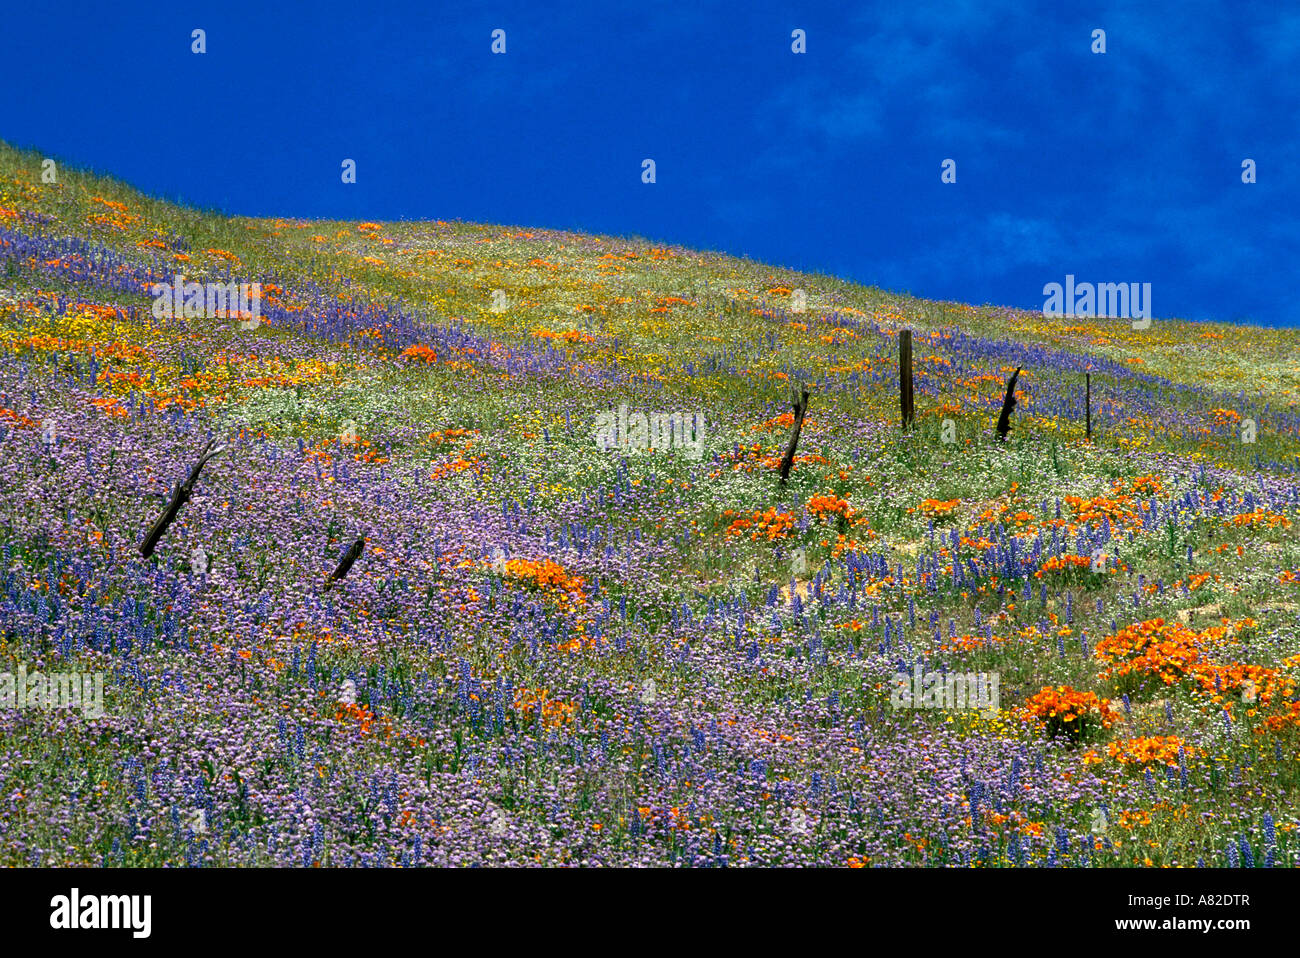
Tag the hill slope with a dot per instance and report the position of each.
(552, 652)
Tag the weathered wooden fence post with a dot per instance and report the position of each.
(1087, 378)
(180, 496)
(799, 399)
(905, 396)
(1008, 404)
(345, 563)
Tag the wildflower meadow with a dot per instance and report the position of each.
(468, 545)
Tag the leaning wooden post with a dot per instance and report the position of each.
(345, 563)
(1008, 404)
(1087, 379)
(905, 396)
(799, 399)
(180, 496)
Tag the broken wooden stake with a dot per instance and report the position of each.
(1008, 404)
(1087, 378)
(799, 399)
(349, 557)
(905, 397)
(180, 496)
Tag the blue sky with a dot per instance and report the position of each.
(1116, 167)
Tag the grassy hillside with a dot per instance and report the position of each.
(549, 652)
